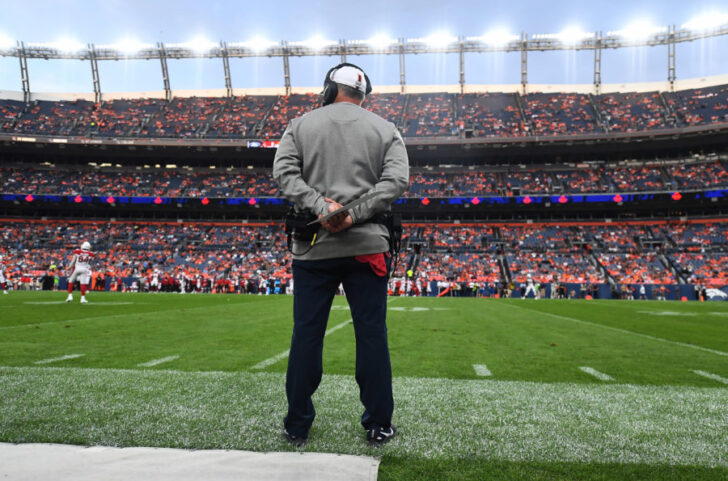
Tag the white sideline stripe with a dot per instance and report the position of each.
(624, 331)
(599, 375)
(155, 362)
(56, 359)
(482, 370)
(272, 360)
(712, 376)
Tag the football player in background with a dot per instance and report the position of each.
(3, 281)
(154, 283)
(81, 267)
(530, 288)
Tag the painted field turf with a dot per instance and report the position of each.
(177, 371)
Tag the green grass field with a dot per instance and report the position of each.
(484, 389)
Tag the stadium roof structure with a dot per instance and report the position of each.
(442, 43)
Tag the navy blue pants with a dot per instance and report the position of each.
(314, 285)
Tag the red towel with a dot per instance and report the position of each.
(377, 262)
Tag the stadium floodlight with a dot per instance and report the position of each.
(707, 21)
(256, 44)
(6, 42)
(380, 41)
(440, 40)
(67, 45)
(316, 43)
(638, 31)
(128, 46)
(496, 38)
(573, 35)
(198, 44)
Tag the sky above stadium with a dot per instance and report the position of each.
(178, 21)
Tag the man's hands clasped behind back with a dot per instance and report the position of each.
(338, 222)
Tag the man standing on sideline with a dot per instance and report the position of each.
(331, 156)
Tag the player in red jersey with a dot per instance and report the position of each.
(81, 267)
(3, 281)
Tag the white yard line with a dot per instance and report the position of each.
(712, 376)
(482, 370)
(624, 331)
(599, 375)
(282, 355)
(156, 362)
(271, 360)
(62, 358)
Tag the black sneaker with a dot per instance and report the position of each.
(378, 436)
(297, 441)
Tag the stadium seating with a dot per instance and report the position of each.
(416, 115)
(559, 114)
(184, 117)
(595, 253)
(430, 115)
(388, 106)
(694, 173)
(700, 106)
(631, 112)
(490, 115)
(46, 117)
(240, 116)
(120, 118)
(285, 109)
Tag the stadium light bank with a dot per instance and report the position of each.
(638, 34)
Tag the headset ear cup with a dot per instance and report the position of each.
(329, 93)
(330, 90)
(369, 84)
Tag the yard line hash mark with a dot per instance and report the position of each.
(56, 359)
(482, 370)
(712, 376)
(155, 362)
(599, 375)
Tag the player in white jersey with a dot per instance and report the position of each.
(155, 281)
(530, 287)
(81, 267)
(3, 281)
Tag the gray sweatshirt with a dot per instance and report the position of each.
(342, 151)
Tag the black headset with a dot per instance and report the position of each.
(328, 95)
